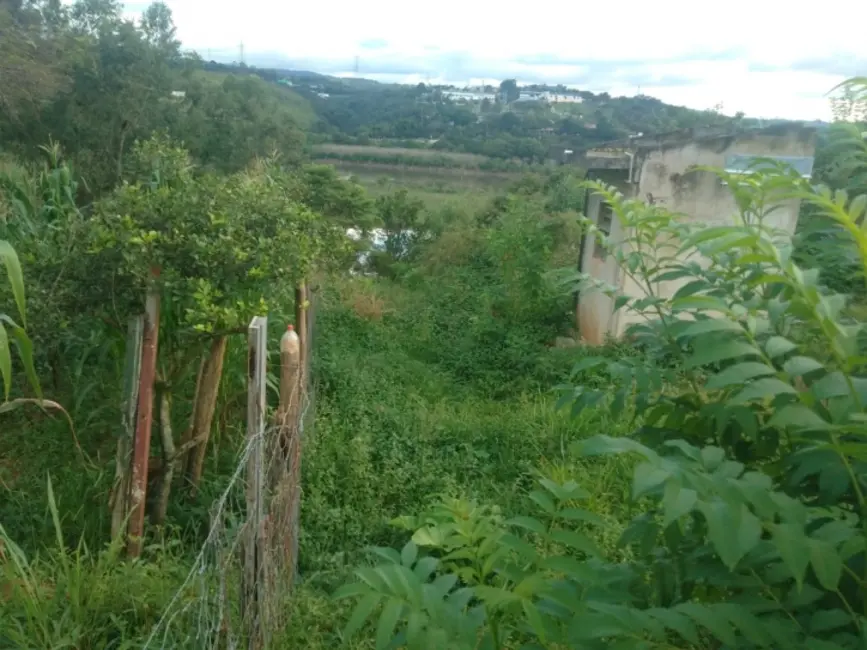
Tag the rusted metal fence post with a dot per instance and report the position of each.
(253, 583)
(144, 419)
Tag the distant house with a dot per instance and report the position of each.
(468, 96)
(179, 94)
(550, 97)
(662, 170)
(564, 98)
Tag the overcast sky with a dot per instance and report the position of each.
(768, 58)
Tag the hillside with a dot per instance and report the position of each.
(365, 112)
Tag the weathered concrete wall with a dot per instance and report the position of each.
(596, 317)
(665, 176)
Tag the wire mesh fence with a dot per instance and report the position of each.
(235, 594)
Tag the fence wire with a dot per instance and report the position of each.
(208, 611)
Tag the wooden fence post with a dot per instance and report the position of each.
(123, 463)
(253, 590)
(144, 419)
(301, 326)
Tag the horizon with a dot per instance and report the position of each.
(761, 59)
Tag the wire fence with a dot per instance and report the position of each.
(236, 593)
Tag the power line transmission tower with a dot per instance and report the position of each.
(356, 64)
(241, 53)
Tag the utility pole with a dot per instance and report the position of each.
(241, 53)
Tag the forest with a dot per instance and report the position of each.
(473, 476)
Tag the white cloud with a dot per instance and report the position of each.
(751, 55)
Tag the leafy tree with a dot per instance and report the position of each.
(224, 250)
(401, 217)
(509, 91)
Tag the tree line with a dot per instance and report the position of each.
(85, 75)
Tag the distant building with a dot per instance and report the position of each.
(468, 96)
(662, 170)
(564, 98)
(550, 97)
(179, 94)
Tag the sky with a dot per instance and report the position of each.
(767, 58)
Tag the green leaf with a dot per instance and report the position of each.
(712, 457)
(732, 529)
(826, 563)
(711, 325)
(621, 301)
(414, 625)
(386, 553)
(694, 303)
(16, 278)
(829, 619)
(587, 364)
(425, 567)
(739, 373)
(833, 384)
(763, 388)
(801, 366)
(723, 351)
(544, 501)
(746, 624)
(5, 362)
(691, 288)
(778, 346)
(387, 622)
(798, 416)
(647, 477)
(360, 614)
(791, 543)
(529, 523)
(351, 590)
(531, 612)
(708, 619)
(677, 501)
(606, 445)
(676, 621)
(429, 536)
(409, 554)
(575, 540)
(577, 514)
(25, 351)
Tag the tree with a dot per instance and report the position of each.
(159, 29)
(226, 248)
(401, 220)
(509, 91)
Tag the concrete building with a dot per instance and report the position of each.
(661, 170)
(468, 96)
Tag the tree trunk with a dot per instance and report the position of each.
(167, 475)
(206, 402)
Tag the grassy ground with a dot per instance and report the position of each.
(468, 159)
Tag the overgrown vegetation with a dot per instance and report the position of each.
(701, 486)
(747, 408)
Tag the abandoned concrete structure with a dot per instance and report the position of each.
(661, 170)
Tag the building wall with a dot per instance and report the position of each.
(595, 311)
(666, 177)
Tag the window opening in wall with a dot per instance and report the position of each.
(606, 215)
